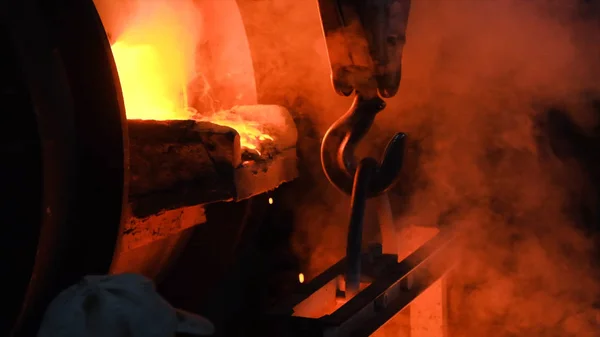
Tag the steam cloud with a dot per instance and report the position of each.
(478, 79)
(478, 76)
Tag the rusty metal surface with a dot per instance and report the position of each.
(365, 41)
(178, 164)
(393, 286)
(138, 232)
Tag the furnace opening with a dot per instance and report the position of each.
(161, 57)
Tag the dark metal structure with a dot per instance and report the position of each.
(365, 41)
(392, 286)
(63, 144)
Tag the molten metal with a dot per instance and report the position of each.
(155, 58)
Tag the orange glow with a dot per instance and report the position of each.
(427, 314)
(301, 278)
(149, 91)
(250, 129)
(324, 301)
(155, 58)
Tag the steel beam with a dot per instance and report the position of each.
(390, 287)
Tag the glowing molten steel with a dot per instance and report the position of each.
(155, 58)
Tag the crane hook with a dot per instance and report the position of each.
(340, 141)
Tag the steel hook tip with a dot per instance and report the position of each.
(340, 142)
(390, 165)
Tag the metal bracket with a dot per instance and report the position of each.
(390, 286)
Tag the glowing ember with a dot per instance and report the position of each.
(155, 59)
(251, 133)
(301, 278)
